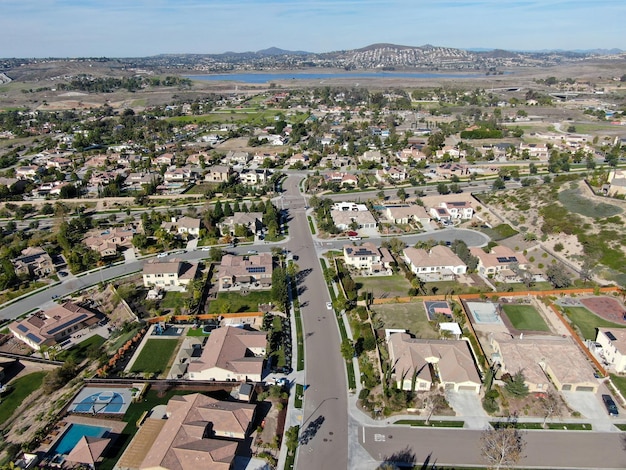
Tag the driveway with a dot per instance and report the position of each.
(590, 406)
(468, 407)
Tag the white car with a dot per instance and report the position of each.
(161, 255)
(355, 238)
(329, 305)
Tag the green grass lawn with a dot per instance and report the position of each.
(233, 302)
(432, 423)
(411, 316)
(196, 332)
(174, 300)
(587, 322)
(155, 356)
(21, 389)
(619, 382)
(525, 317)
(384, 286)
(81, 350)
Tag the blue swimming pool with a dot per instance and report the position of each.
(73, 434)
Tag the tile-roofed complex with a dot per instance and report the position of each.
(235, 270)
(366, 257)
(449, 360)
(439, 262)
(50, 327)
(187, 441)
(231, 353)
(542, 357)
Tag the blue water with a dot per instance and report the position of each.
(74, 433)
(268, 77)
(95, 404)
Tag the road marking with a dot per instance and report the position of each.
(363, 434)
(379, 438)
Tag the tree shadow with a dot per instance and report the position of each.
(301, 275)
(311, 430)
(403, 458)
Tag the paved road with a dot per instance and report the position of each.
(325, 414)
(544, 449)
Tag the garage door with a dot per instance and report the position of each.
(582, 388)
(467, 388)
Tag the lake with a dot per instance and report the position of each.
(282, 76)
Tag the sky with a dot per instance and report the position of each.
(137, 28)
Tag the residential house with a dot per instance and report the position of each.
(108, 242)
(256, 177)
(252, 221)
(447, 170)
(236, 157)
(368, 258)
(164, 159)
(350, 215)
(298, 158)
(59, 163)
(218, 174)
(449, 152)
(446, 363)
(407, 214)
(412, 153)
(394, 174)
(28, 172)
(535, 151)
(441, 214)
(501, 262)
(438, 264)
(342, 178)
(235, 271)
(616, 183)
(459, 209)
(374, 156)
(53, 326)
(612, 347)
(184, 225)
(543, 360)
(231, 353)
(34, 261)
(169, 275)
(196, 431)
(138, 179)
(178, 175)
(261, 158)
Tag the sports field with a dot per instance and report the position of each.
(525, 317)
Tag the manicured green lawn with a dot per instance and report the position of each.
(196, 332)
(411, 316)
(587, 322)
(155, 356)
(174, 300)
(81, 350)
(21, 389)
(233, 302)
(525, 317)
(619, 382)
(384, 286)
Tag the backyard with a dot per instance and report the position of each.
(155, 356)
(174, 300)
(525, 317)
(384, 286)
(410, 316)
(235, 302)
(21, 388)
(587, 322)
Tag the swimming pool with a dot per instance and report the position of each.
(73, 434)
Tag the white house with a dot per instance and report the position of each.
(440, 263)
(613, 343)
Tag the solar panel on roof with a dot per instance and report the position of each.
(67, 323)
(611, 336)
(33, 337)
(502, 259)
(22, 328)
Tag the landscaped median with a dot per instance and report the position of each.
(433, 423)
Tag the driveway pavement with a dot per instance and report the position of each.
(467, 405)
(590, 406)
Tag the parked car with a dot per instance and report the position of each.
(611, 407)
(161, 255)
(329, 305)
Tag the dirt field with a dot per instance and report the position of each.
(605, 307)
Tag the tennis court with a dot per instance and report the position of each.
(100, 400)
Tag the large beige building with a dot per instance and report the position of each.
(231, 353)
(448, 364)
(440, 263)
(236, 271)
(170, 275)
(195, 432)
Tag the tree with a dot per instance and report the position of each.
(402, 195)
(347, 349)
(557, 276)
(517, 385)
(442, 188)
(216, 254)
(503, 446)
(550, 406)
(280, 288)
(498, 183)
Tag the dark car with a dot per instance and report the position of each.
(611, 407)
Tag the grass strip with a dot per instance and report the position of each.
(298, 397)
(434, 423)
